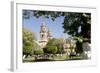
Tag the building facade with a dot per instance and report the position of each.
(44, 35)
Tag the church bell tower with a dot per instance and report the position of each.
(49, 34)
(43, 35)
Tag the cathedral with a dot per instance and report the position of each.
(45, 35)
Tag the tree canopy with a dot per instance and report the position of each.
(28, 42)
(50, 49)
(75, 24)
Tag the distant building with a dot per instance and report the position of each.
(44, 35)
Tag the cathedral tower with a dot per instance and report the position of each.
(43, 35)
(49, 34)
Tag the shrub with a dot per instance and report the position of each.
(50, 49)
(59, 49)
(38, 52)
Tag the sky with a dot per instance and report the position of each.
(33, 24)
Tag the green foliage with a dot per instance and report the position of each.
(79, 48)
(72, 21)
(38, 52)
(78, 24)
(58, 43)
(79, 42)
(51, 41)
(50, 49)
(60, 49)
(28, 42)
(28, 35)
(27, 50)
(75, 24)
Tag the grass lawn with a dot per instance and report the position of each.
(59, 58)
(29, 59)
(53, 58)
(76, 58)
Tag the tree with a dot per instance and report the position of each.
(75, 24)
(51, 42)
(58, 43)
(50, 50)
(60, 49)
(78, 25)
(38, 51)
(28, 43)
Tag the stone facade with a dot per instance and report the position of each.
(44, 35)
